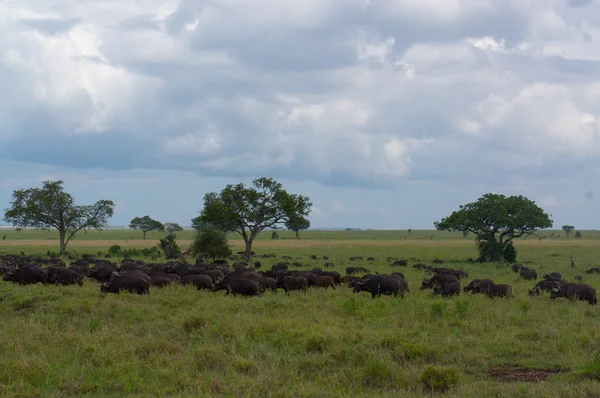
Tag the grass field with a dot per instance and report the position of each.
(61, 341)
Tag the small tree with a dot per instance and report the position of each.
(172, 227)
(169, 247)
(51, 207)
(297, 224)
(146, 224)
(212, 243)
(496, 220)
(578, 234)
(409, 232)
(568, 229)
(274, 235)
(249, 210)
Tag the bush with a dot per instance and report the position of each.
(578, 234)
(169, 247)
(439, 379)
(274, 235)
(510, 253)
(212, 243)
(114, 250)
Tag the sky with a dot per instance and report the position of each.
(388, 114)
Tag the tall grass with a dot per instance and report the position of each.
(73, 341)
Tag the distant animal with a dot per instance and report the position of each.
(553, 275)
(528, 274)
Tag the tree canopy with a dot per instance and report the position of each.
(146, 224)
(568, 229)
(248, 210)
(297, 224)
(496, 220)
(51, 207)
(172, 227)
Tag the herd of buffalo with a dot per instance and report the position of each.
(136, 276)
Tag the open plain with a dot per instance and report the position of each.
(178, 341)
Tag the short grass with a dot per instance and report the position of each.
(73, 341)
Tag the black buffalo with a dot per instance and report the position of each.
(130, 282)
(27, 275)
(579, 291)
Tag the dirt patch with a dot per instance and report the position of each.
(517, 374)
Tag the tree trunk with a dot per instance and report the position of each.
(248, 251)
(144, 234)
(63, 244)
(298, 234)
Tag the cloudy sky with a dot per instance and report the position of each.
(387, 113)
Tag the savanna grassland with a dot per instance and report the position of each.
(61, 341)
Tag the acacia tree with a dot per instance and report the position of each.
(146, 224)
(248, 210)
(568, 229)
(172, 227)
(496, 220)
(297, 224)
(51, 207)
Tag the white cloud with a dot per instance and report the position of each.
(342, 92)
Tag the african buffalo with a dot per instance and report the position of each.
(579, 291)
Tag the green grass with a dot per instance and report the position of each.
(73, 341)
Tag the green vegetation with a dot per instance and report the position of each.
(50, 207)
(146, 224)
(212, 243)
(496, 220)
(250, 210)
(178, 341)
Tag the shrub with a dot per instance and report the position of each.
(578, 234)
(274, 235)
(212, 243)
(169, 246)
(510, 253)
(439, 379)
(114, 250)
(438, 308)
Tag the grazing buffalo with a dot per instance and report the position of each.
(494, 290)
(200, 281)
(438, 279)
(528, 274)
(447, 289)
(546, 285)
(579, 291)
(399, 263)
(64, 276)
(290, 283)
(380, 284)
(130, 282)
(337, 278)
(242, 286)
(160, 280)
(329, 265)
(325, 281)
(100, 273)
(477, 285)
(27, 275)
(516, 268)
